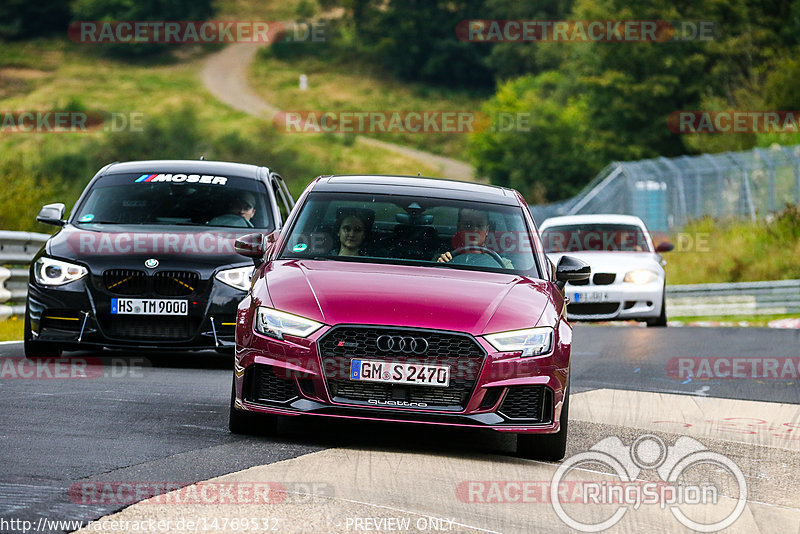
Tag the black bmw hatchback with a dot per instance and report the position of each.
(146, 257)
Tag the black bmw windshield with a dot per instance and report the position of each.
(176, 199)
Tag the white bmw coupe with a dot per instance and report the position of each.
(628, 280)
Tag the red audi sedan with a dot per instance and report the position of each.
(407, 299)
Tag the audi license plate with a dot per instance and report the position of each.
(591, 296)
(400, 373)
(149, 307)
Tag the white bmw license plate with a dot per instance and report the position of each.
(590, 296)
(400, 373)
(149, 307)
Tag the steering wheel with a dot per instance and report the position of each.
(494, 255)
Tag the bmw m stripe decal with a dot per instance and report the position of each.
(355, 369)
(146, 177)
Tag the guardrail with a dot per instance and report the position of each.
(16, 251)
(743, 298)
(697, 300)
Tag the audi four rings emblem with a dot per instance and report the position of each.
(416, 345)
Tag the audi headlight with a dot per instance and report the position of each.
(274, 323)
(50, 272)
(238, 277)
(640, 276)
(531, 341)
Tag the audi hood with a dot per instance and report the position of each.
(443, 298)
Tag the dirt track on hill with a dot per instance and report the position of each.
(225, 77)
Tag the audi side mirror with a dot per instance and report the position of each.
(257, 246)
(570, 269)
(52, 214)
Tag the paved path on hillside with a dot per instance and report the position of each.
(225, 76)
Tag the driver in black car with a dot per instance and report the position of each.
(471, 231)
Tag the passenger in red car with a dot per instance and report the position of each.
(352, 232)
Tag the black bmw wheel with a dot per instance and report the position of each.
(37, 349)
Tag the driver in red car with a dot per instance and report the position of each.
(471, 231)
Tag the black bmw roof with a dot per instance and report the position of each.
(416, 185)
(184, 166)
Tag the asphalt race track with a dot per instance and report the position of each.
(141, 419)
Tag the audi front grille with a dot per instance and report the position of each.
(460, 352)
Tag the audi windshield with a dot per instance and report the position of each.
(412, 230)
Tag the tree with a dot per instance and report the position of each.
(20, 19)
(539, 141)
(132, 10)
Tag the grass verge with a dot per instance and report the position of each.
(11, 329)
(751, 320)
(737, 251)
(341, 85)
(56, 74)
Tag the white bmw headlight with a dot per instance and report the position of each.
(51, 272)
(531, 341)
(238, 277)
(640, 276)
(274, 323)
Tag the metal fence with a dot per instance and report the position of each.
(16, 251)
(669, 192)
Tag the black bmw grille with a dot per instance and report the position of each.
(459, 351)
(125, 281)
(598, 279)
(593, 308)
(171, 328)
(262, 385)
(532, 403)
(164, 283)
(583, 282)
(603, 279)
(175, 283)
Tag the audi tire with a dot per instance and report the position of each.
(248, 423)
(548, 447)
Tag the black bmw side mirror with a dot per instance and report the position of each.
(52, 214)
(570, 269)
